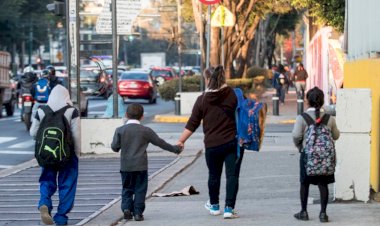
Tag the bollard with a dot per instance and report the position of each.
(299, 106)
(177, 103)
(276, 101)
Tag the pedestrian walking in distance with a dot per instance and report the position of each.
(300, 76)
(314, 134)
(216, 107)
(133, 139)
(56, 128)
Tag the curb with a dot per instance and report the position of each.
(18, 168)
(171, 118)
(289, 121)
(157, 181)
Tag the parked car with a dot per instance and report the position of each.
(137, 85)
(161, 75)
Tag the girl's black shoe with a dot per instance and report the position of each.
(323, 217)
(303, 216)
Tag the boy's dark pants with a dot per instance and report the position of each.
(135, 186)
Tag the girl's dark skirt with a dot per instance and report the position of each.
(305, 179)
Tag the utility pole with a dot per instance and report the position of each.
(30, 42)
(179, 14)
(114, 59)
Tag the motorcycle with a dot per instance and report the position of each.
(27, 100)
(27, 106)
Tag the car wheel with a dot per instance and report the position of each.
(160, 80)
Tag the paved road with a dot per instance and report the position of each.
(16, 146)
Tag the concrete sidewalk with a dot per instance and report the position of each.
(269, 185)
(287, 112)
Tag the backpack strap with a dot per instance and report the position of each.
(325, 119)
(239, 96)
(309, 120)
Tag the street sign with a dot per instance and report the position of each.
(127, 11)
(210, 2)
(222, 17)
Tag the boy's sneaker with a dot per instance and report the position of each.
(128, 215)
(45, 215)
(229, 213)
(214, 208)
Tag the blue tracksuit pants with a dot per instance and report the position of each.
(67, 185)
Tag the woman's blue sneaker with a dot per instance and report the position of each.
(213, 208)
(229, 213)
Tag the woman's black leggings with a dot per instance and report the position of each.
(324, 193)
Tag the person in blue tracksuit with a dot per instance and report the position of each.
(66, 175)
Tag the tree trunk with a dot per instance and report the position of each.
(215, 50)
(244, 54)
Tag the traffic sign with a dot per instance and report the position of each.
(210, 2)
(127, 11)
(222, 17)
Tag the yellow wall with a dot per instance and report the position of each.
(366, 74)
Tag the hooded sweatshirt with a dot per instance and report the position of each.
(59, 98)
(217, 110)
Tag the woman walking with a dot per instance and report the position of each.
(315, 101)
(216, 107)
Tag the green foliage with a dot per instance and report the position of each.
(170, 88)
(287, 22)
(256, 71)
(243, 83)
(19, 17)
(192, 84)
(329, 12)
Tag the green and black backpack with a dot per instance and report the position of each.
(54, 141)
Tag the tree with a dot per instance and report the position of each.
(238, 39)
(24, 21)
(9, 13)
(327, 12)
(269, 28)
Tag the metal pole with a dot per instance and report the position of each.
(208, 36)
(30, 42)
(68, 48)
(114, 59)
(299, 106)
(201, 47)
(179, 44)
(222, 41)
(276, 101)
(77, 52)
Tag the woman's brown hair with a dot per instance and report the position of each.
(215, 76)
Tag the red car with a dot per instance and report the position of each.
(162, 74)
(137, 85)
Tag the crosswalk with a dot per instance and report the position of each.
(99, 186)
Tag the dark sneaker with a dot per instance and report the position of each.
(139, 217)
(303, 216)
(45, 215)
(323, 217)
(128, 215)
